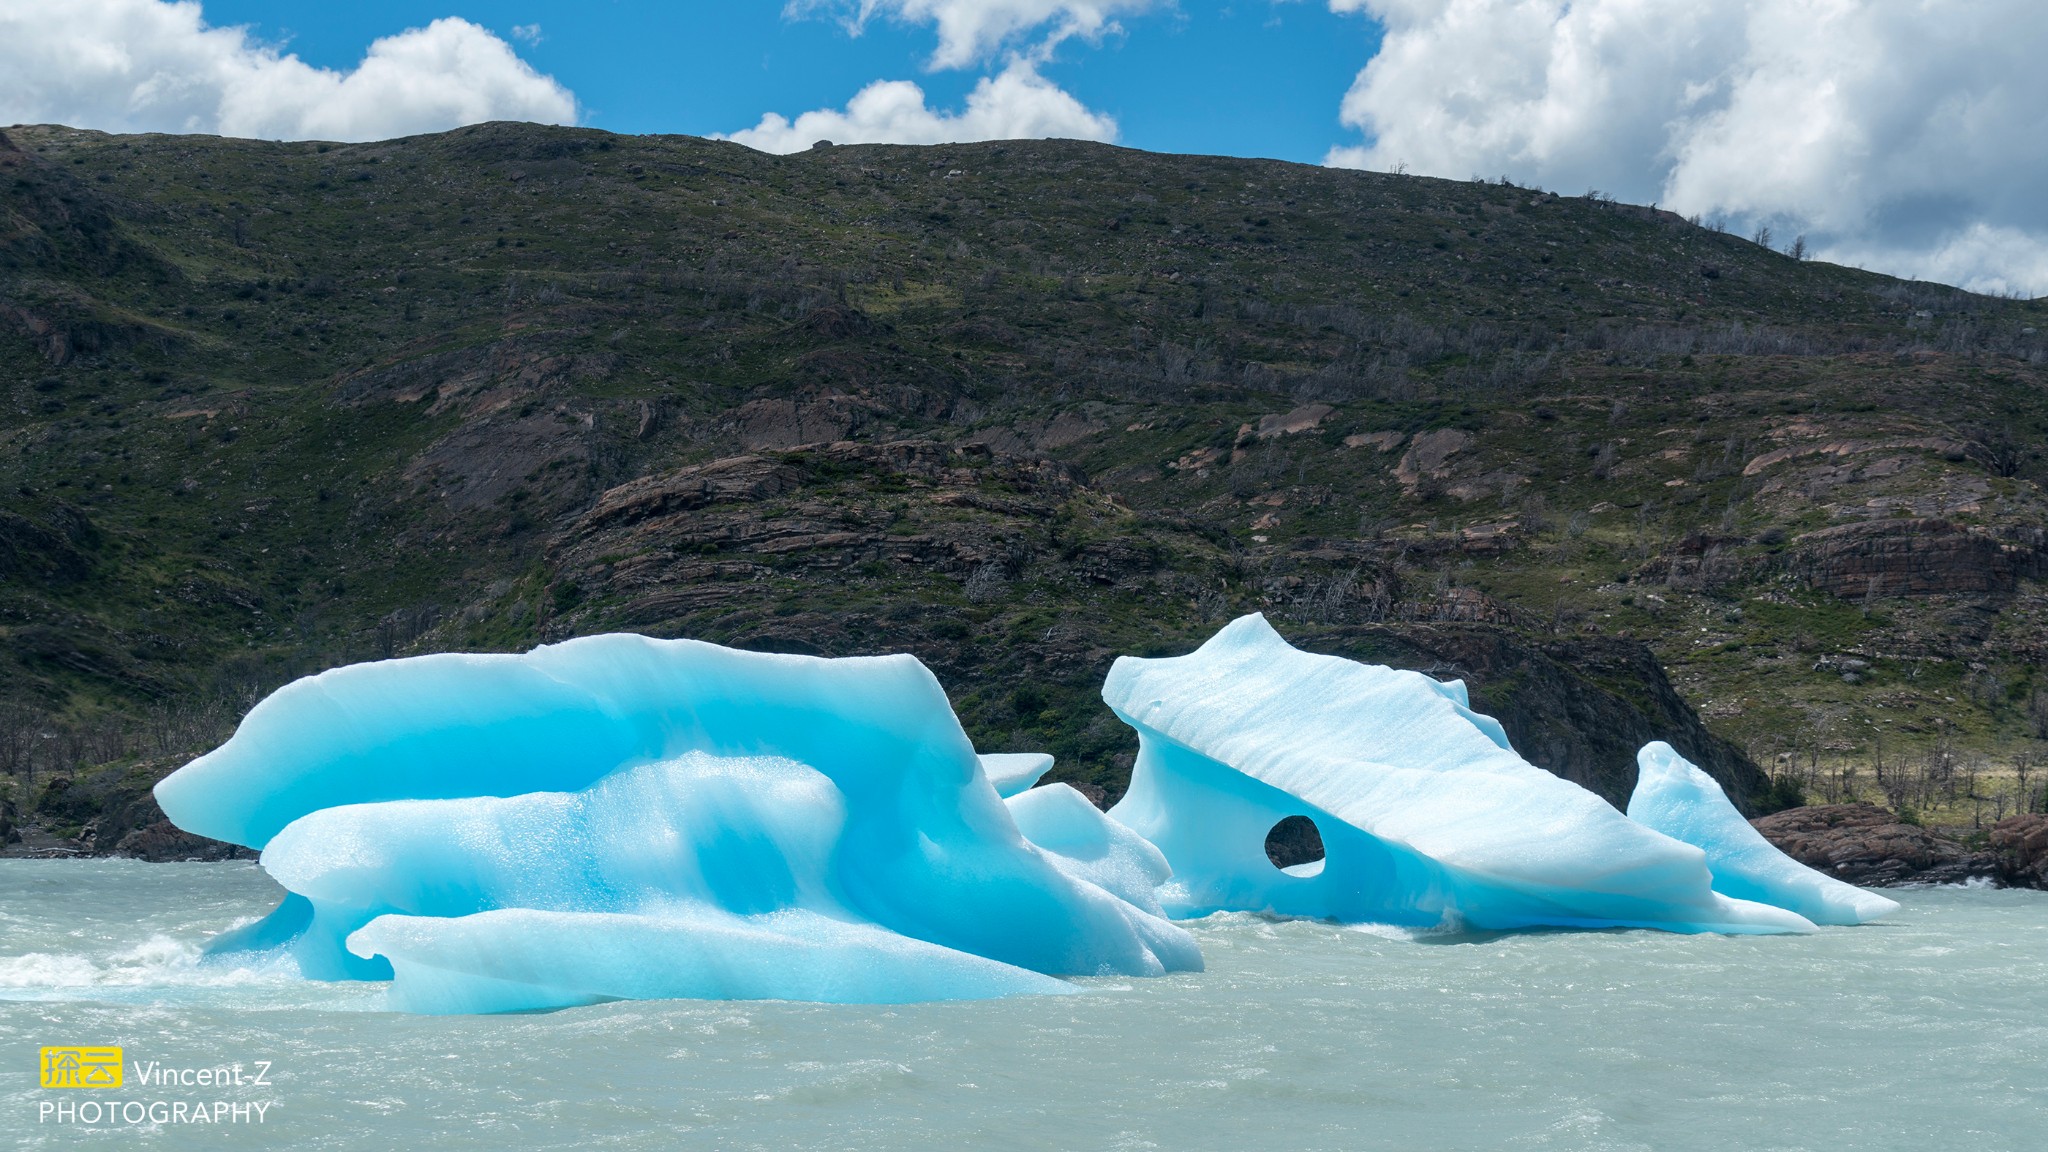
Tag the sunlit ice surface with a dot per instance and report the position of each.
(621, 817)
(1427, 814)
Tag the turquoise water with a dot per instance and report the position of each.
(1927, 1031)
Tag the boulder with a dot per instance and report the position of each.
(2021, 843)
(1867, 846)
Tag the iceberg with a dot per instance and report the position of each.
(619, 816)
(624, 817)
(1674, 797)
(1427, 816)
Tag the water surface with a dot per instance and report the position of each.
(1929, 1030)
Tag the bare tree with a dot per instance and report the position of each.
(1604, 458)
(17, 737)
(988, 582)
(1999, 449)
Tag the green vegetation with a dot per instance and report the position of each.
(269, 407)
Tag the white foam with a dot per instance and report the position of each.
(159, 961)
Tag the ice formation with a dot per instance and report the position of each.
(617, 816)
(1676, 798)
(622, 817)
(1013, 772)
(1427, 816)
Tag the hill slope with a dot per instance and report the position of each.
(1015, 407)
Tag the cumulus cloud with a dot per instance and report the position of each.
(1017, 104)
(970, 30)
(1903, 136)
(151, 66)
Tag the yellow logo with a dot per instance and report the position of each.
(81, 1067)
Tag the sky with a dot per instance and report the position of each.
(1901, 135)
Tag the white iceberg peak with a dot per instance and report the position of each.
(1673, 796)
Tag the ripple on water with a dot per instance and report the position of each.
(1924, 1031)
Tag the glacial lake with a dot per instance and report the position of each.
(1929, 1030)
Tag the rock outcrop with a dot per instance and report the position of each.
(2021, 844)
(106, 812)
(1867, 846)
(1428, 456)
(164, 841)
(1909, 557)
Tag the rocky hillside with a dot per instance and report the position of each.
(1017, 408)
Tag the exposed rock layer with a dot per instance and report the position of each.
(2021, 843)
(1867, 846)
(1911, 557)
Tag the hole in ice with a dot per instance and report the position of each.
(1295, 845)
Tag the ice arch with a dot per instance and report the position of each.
(1427, 815)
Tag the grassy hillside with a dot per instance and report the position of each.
(1016, 407)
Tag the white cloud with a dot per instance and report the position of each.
(1905, 136)
(1017, 104)
(150, 66)
(971, 30)
(1981, 257)
(526, 33)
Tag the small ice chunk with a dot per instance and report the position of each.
(1089, 846)
(1013, 772)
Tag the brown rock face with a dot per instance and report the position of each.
(1908, 558)
(1095, 794)
(1428, 455)
(116, 814)
(701, 538)
(164, 841)
(771, 424)
(2021, 843)
(1865, 845)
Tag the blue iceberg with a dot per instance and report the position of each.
(1673, 796)
(618, 816)
(1427, 816)
(622, 817)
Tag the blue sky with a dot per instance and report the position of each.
(1247, 78)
